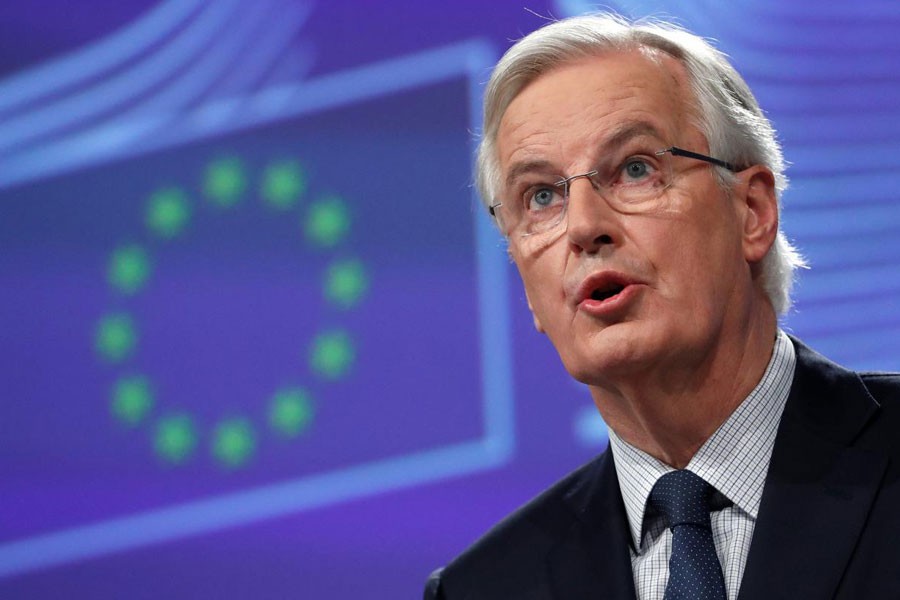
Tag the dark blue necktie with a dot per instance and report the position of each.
(683, 498)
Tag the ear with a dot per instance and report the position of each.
(759, 210)
(537, 322)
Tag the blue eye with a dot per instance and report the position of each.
(542, 198)
(636, 168)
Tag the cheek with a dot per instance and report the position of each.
(700, 268)
(687, 258)
(665, 251)
(543, 281)
(543, 292)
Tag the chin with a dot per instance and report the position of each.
(604, 373)
(619, 351)
(605, 360)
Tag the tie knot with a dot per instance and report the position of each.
(683, 498)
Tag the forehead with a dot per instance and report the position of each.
(567, 113)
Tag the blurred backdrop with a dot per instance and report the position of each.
(256, 338)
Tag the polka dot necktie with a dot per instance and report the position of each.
(683, 498)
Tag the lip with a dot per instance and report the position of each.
(584, 301)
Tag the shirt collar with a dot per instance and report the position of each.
(734, 460)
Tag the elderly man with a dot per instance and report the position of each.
(637, 182)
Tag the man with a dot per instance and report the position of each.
(637, 182)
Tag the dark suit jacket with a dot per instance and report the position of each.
(828, 526)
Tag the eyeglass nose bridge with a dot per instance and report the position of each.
(565, 183)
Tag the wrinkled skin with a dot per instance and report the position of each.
(668, 360)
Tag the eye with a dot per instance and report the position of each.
(541, 198)
(636, 169)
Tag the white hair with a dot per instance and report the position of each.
(736, 129)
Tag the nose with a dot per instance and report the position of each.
(590, 223)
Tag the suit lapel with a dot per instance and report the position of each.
(591, 561)
(819, 488)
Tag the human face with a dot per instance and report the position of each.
(623, 294)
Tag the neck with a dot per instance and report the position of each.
(670, 413)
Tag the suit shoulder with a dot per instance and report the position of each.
(884, 387)
(881, 378)
(501, 563)
(880, 433)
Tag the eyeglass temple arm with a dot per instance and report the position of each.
(675, 151)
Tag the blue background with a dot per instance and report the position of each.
(454, 411)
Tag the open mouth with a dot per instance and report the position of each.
(606, 292)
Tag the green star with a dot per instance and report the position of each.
(175, 438)
(291, 411)
(233, 442)
(328, 222)
(115, 337)
(132, 399)
(332, 354)
(283, 184)
(225, 181)
(168, 212)
(129, 269)
(345, 283)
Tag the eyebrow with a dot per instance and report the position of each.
(622, 133)
(528, 166)
(627, 130)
